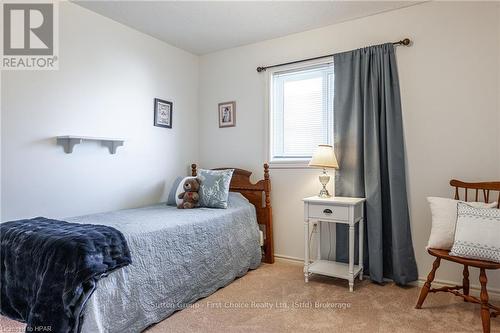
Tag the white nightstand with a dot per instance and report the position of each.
(334, 210)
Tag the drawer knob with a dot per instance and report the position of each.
(327, 211)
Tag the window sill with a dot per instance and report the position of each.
(289, 164)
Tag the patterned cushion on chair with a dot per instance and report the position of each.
(214, 187)
(477, 234)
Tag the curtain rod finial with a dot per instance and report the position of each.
(261, 69)
(406, 41)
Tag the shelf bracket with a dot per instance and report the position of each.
(68, 143)
(112, 145)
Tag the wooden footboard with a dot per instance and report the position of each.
(259, 194)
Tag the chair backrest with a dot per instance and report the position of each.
(484, 188)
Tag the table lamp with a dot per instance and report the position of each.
(324, 157)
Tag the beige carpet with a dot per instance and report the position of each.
(274, 298)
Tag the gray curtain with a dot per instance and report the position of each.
(370, 149)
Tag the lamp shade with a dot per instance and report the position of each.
(324, 157)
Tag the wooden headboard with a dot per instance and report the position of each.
(485, 188)
(259, 194)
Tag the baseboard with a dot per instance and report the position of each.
(493, 293)
(288, 259)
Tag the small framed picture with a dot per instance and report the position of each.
(227, 114)
(163, 113)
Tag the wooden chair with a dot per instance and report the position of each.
(487, 310)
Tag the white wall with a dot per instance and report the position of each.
(109, 75)
(449, 82)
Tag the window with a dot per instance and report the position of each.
(301, 113)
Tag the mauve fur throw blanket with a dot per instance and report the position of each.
(50, 268)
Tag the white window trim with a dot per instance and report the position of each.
(299, 163)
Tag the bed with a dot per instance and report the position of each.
(180, 256)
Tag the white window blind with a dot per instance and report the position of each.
(301, 112)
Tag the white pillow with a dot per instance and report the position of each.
(444, 219)
(180, 189)
(478, 233)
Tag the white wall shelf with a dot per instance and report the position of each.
(69, 141)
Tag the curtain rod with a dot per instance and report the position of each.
(404, 42)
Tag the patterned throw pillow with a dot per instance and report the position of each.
(214, 187)
(477, 233)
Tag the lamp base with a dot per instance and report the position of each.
(324, 179)
(324, 193)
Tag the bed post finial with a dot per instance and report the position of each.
(193, 170)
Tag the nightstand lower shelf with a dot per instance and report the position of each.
(333, 268)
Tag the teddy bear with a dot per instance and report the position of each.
(190, 195)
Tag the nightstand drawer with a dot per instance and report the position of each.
(330, 212)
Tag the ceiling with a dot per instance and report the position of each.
(202, 27)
